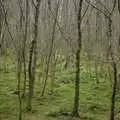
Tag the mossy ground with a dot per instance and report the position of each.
(95, 98)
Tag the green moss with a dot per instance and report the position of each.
(94, 98)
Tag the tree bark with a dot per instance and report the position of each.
(32, 57)
(119, 6)
(77, 81)
(19, 84)
(112, 117)
(24, 48)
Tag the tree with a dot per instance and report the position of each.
(77, 81)
(51, 48)
(111, 51)
(33, 55)
(24, 46)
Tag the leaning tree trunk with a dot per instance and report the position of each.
(77, 81)
(51, 51)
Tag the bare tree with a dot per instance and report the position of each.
(24, 45)
(33, 54)
(111, 52)
(51, 48)
(77, 81)
(19, 71)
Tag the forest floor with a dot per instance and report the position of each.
(95, 98)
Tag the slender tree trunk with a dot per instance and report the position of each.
(77, 81)
(24, 48)
(19, 82)
(112, 55)
(98, 37)
(96, 72)
(19, 60)
(110, 76)
(119, 6)
(32, 57)
(53, 70)
(113, 99)
(112, 115)
(51, 50)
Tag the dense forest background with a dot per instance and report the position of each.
(59, 59)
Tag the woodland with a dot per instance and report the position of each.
(59, 59)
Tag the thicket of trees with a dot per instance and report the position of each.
(40, 34)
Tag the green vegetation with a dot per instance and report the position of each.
(94, 98)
